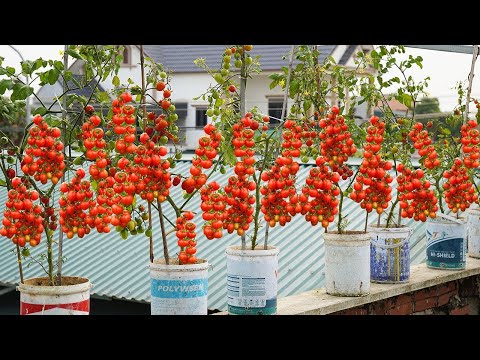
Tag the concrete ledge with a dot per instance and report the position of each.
(318, 302)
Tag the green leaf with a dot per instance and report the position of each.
(299, 67)
(407, 99)
(52, 76)
(4, 85)
(10, 70)
(40, 111)
(116, 81)
(94, 184)
(2, 182)
(58, 65)
(74, 54)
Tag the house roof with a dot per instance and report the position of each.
(179, 58)
(119, 268)
(347, 54)
(395, 105)
(87, 89)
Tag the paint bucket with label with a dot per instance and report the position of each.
(179, 289)
(446, 242)
(37, 297)
(473, 225)
(389, 254)
(252, 277)
(347, 263)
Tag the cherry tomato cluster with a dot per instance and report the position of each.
(423, 143)
(374, 172)
(320, 185)
(101, 214)
(470, 140)
(149, 173)
(459, 190)
(417, 200)
(203, 159)
(281, 179)
(94, 142)
(44, 159)
(186, 238)
(76, 199)
(213, 207)
(337, 144)
(23, 221)
(238, 189)
(123, 121)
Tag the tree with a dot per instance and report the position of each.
(428, 106)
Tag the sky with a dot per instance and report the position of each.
(444, 68)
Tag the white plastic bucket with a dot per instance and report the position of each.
(446, 242)
(252, 277)
(389, 254)
(38, 298)
(473, 225)
(347, 263)
(179, 289)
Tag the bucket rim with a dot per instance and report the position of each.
(159, 264)
(395, 230)
(236, 250)
(27, 288)
(349, 237)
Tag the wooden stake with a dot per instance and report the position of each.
(470, 81)
(64, 117)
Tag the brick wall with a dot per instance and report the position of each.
(459, 297)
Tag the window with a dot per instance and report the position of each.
(126, 55)
(275, 106)
(200, 116)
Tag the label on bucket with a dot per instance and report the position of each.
(444, 251)
(78, 308)
(252, 286)
(169, 289)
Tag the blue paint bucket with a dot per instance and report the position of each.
(179, 289)
(390, 254)
(446, 242)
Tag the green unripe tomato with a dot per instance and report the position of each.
(227, 58)
(178, 155)
(163, 140)
(215, 94)
(305, 159)
(173, 117)
(148, 232)
(224, 72)
(163, 74)
(216, 111)
(11, 160)
(210, 112)
(140, 230)
(172, 108)
(131, 225)
(145, 216)
(226, 66)
(248, 60)
(218, 78)
(238, 63)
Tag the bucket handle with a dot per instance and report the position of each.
(451, 218)
(400, 244)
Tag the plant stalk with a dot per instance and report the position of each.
(144, 115)
(64, 117)
(19, 260)
(164, 234)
